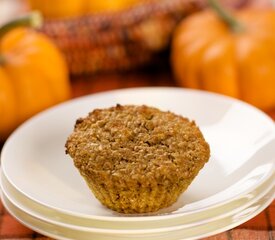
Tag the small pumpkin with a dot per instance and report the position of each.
(111, 5)
(33, 74)
(59, 8)
(73, 8)
(228, 54)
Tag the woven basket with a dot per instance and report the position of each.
(118, 41)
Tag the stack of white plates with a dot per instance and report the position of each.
(43, 190)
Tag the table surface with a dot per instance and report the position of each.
(261, 227)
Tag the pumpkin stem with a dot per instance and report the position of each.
(227, 17)
(34, 20)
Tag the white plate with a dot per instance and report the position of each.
(240, 136)
(237, 206)
(199, 231)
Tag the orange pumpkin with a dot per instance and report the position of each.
(111, 5)
(59, 8)
(214, 51)
(33, 76)
(73, 8)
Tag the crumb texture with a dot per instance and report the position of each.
(137, 159)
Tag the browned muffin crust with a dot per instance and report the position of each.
(137, 158)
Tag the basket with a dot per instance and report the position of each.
(118, 41)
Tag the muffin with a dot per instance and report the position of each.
(137, 159)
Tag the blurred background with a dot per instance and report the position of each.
(87, 46)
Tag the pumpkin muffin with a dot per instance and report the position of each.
(137, 159)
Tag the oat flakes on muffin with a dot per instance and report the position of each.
(137, 159)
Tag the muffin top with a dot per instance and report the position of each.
(139, 145)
